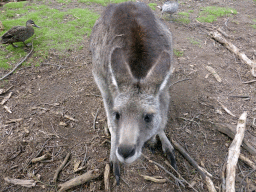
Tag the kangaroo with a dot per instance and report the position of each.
(131, 55)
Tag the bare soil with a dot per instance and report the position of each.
(64, 85)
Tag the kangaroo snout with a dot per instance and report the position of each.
(126, 151)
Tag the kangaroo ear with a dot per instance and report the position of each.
(159, 75)
(120, 71)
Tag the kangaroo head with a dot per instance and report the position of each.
(138, 107)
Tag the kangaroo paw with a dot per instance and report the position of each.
(116, 171)
(171, 157)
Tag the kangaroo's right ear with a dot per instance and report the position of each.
(119, 68)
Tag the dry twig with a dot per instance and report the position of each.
(22, 182)
(156, 179)
(214, 73)
(233, 153)
(89, 175)
(43, 157)
(247, 161)
(17, 64)
(207, 179)
(226, 109)
(6, 98)
(106, 178)
(55, 177)
(217, 36)
(176, 179)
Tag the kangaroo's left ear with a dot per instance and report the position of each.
(161, 72)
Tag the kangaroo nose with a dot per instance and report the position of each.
(126, 151)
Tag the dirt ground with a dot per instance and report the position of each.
(42, 96)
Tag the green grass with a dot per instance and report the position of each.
(183, 17)
(60, 30)
(211, 13)
(178, 53)
(152, 6)
(194, 42)
(102, 2)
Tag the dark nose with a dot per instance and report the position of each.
(126, 151)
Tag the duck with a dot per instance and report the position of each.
(170, 7)
(19, 34)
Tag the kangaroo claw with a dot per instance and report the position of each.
(171, 157)
(116, 171)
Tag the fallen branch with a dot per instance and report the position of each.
(6, 98)
(176, 179)
(106, 178)
(55, 177)
(217, 36)
(43, 157)
(22, 182)
(247, 161)
(17, 64)
(92, 174)
(233, 153)
(226, 109)
(214, 73)
(249, 143)
(156, 179)
(13, 120)
(3, 91)
(207, 179)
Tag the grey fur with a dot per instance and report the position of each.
(131, 55)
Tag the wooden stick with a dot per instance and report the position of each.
(229, 130)
(233, 153)
(247, 161)
(43, 157)
(55, 177)
(92, 174)
(22, 182)
(106, 178)
(204, 175)
(17, 65)
(156, 179)
(176, 179)
(217, 36)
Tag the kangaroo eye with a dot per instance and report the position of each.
(117, 115)
(148, 118)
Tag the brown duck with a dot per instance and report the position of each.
(19, 34)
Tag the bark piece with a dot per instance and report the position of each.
(234, 152)
(92, 174)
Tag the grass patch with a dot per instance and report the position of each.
(183, 17)
(60, 30)
(194, 42)
(152, 6)
(211, 13)
(102, 2)
(178, 53)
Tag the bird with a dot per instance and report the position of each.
(19, 34)
(170, 7)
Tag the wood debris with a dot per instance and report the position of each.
(214, 73)
(7, 109)
(226, 109)
(55, 177)
(106, 178)
(92, 174)
(6, 98)
(13, 121)
(3, 91)
(217, 36)
(43, 157)
(234, 152)
(22, 182)
(156, 179)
